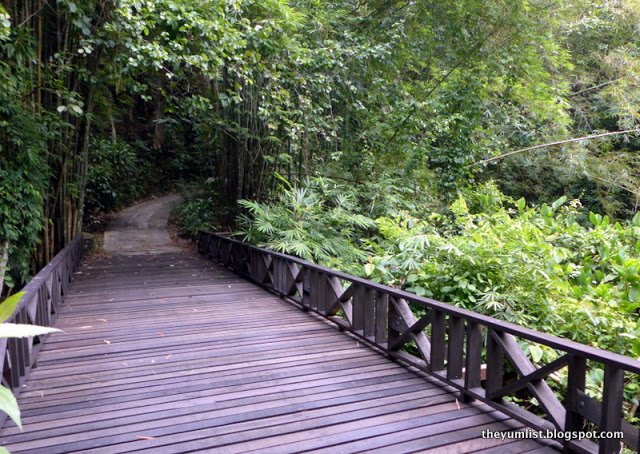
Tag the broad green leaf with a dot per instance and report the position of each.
(9, 305)
(368, 268)
(634, 294)
(558, 203)
(9, 405)
(412, 278)
(536, 353)
(22, 330)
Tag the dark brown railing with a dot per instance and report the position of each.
(469, 351)
(38, 306)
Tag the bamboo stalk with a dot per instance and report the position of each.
(4, 259)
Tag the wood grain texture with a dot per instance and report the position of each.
(169, 353)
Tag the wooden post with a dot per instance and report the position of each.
(438, 345)
(455, 350)
(306, 288)
(473, 360)
(576, 382)
(369, 313)
(382, 318)
(323, 293)
(495, 363)
(612, 397)
(359, 296)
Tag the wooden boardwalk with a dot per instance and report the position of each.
(171, 353)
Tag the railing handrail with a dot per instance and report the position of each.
(452, 344)
(33, 286)
(603, 356)
(38, 306)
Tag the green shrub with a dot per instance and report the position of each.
(535, 266)
(199, 211)
(317, 221)
(115, 176)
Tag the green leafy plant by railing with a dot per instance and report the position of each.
(545, 267)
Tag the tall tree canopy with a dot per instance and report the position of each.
(104, 101)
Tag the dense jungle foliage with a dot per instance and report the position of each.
(393, 139)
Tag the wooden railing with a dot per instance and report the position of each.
(480, 356)
(38, 306)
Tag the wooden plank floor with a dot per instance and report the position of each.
(170, 353)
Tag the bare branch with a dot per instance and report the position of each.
(635, 130)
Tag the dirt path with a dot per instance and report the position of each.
(142, 228)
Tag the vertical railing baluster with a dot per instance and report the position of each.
(260, 267)
(280, 276)
(240, 261)
(455, 348)
(40, 304)
(313, 297)
(246, 272)
(290, 280)
(275, 271)
(576, 382)
(13, 349)
(23, 317)
(612, 398)
(251, 266)
(45, 315)
(495, 363)
(358, 309)
(392, 333)
(382, 318)
(438, 345)
(473, 360)
(305, 298)
(323, 292)
(272, 276)
(287, 278)
(369, 315)
(299, 281)
(55, 299)
(265, 264)
(214, 250)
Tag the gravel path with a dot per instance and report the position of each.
(142, 228)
